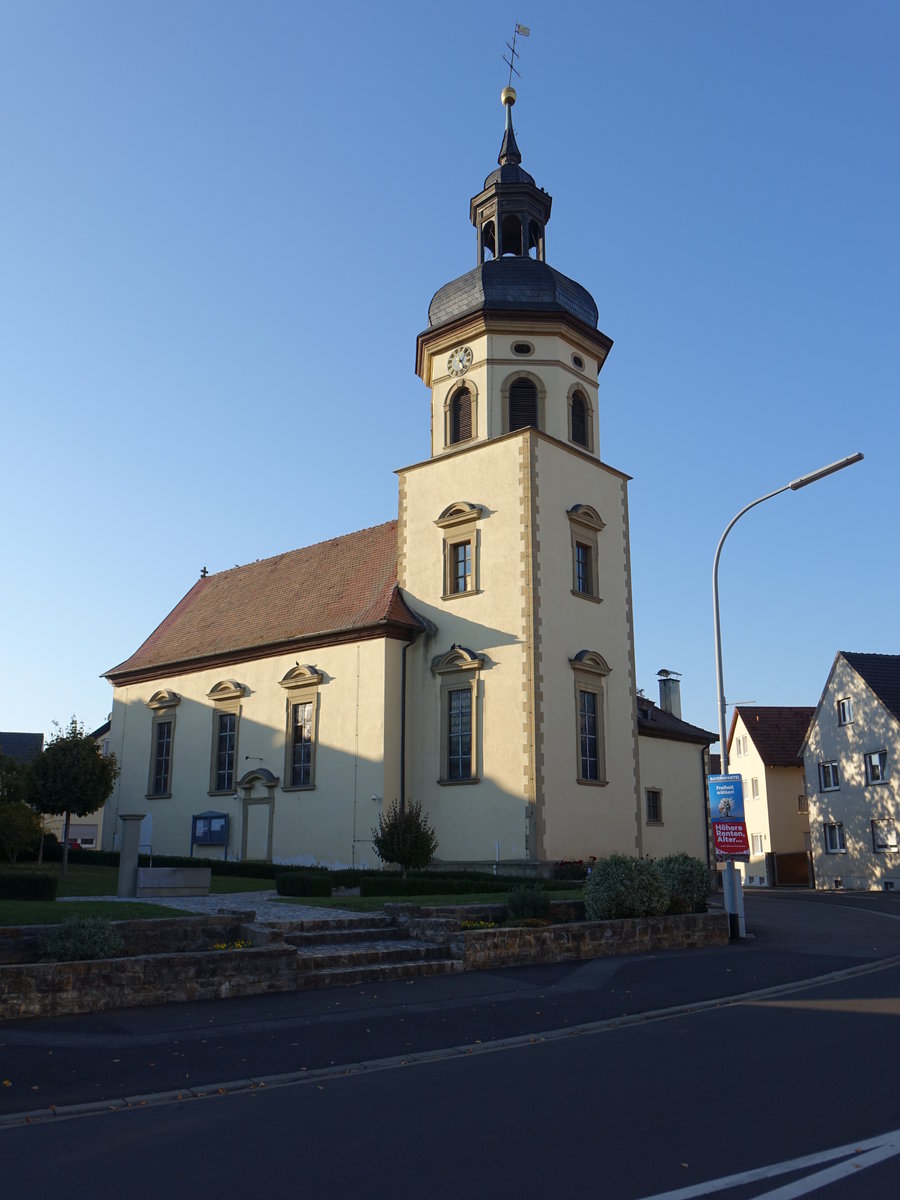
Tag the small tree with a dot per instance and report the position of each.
(20, 829)
(404, 837)
(71, 776)
(12, 780)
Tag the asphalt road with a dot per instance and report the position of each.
(535, 1081)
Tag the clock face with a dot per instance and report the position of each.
(459, 361)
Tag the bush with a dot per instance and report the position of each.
(620, 886)
(574, 868)
(295, 883)
(28, 885)
(378, 883)
(80, 938)
(526, 902)
(404, 837)
(687, 882)
(20, 829)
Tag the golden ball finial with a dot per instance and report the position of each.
(508, 96)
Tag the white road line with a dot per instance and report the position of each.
(858, 1156)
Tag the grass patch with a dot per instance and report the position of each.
(49, 912)
(374, 903)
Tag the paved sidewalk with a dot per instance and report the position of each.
(264, 904)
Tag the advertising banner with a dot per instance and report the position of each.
(726, 812)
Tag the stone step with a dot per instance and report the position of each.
(377, 973)
(331, 936)
(335, 925)
(340, 955)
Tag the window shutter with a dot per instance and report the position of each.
(579, 420)
(522, 405)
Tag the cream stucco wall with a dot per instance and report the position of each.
(675, 769)
(357, 755)
(855, 804)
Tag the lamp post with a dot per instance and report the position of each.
(733, 898)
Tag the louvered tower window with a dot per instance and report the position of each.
(579, 420)
(522, 405)
(460, 416)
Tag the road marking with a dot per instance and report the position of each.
(857, 1156)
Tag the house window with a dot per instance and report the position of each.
(162, 739)
(590, 670)
(884, 835)
(653, 799)
(461, 547)
(876, 767)
(460, 416)
(754, 788)
(834, 838)
(302, 686)
(757, 843)
(578, 411)
(459, 671)
(585, 527)
(828, 777)
(802, 804)
(226, 698)
(162, 759)
(845, 711)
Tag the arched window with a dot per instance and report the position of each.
(511, 235)
(460, 415)
(523, 406)
(579, 419)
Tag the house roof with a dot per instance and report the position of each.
(322, 593)
(777, 731)
(23, 747)
(881, 672)
(654, 721)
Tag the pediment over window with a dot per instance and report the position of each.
(457, 658)
(302, 675)
(459, 513)
(224, 690)
(163, 699)
(587, 515)
(261, 774)
(590, 661)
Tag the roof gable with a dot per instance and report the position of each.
(882, 674)
(346, 584)
(777, 732)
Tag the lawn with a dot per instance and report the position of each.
(50, 912)
(86, 879)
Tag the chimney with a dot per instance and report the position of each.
(670, 692)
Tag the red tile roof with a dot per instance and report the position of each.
(776, 732)
(343, 586)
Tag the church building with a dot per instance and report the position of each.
(475, 655)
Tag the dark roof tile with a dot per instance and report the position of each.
(777, 732)
(882, 673)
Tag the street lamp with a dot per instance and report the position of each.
(795, 485)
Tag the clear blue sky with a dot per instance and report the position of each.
(221, 224)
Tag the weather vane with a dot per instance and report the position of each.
(519, 31)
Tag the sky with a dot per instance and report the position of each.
(221, 225)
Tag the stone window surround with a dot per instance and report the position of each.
(510, 379)
(162, 704)
(226, 698)
(586, 525)
(657, 793)
(457, 669)
(459, 523)
(302, 686)
(590, 670)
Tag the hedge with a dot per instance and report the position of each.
(30, 885)
(295, 883)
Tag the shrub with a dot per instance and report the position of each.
(687, 882)
(81, 938)
(620, 886)
(574, 868)
(404, 837)
(28, 885)
(523, 903)
(295, 883)
(378, 883)
(20, 829)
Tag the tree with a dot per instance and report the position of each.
(12, 780)
(404, 836)
(20, 828)
(71, 777)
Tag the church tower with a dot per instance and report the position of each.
(513, 545)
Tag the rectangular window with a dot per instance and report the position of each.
(845, 711)
(757, 843)
(834, 838)
(459, 733)
(802, 804)
(226, 744)
(754, 788)
(584, 579)
(587, 734)
(301, 744)
(460, 567)
(162, 759)
(828, 777)
(654, 806)
(876, 767)
(884, 836)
